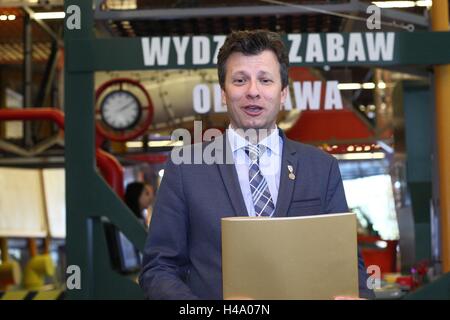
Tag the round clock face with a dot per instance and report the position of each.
(120, 110)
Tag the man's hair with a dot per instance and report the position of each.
(253, 42)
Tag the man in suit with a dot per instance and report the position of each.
(264, 174)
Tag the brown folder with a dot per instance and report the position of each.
(309, 257)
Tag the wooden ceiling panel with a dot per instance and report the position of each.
(12, 53)
(11, 38)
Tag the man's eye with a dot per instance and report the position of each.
(266, 81)
(238, 81)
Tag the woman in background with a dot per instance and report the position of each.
(138, 197)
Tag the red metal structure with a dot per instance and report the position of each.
(110, 168)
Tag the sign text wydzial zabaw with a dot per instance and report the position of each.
(303, 49)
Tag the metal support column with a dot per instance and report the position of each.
(89, 199)
(440, 22)
(27, 75)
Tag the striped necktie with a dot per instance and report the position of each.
(262, 200)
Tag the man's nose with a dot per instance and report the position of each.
(253, 90)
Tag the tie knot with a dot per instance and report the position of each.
(254, 151)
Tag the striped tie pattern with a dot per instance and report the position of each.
(262, 200)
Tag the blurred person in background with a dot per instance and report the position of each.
(139, 198)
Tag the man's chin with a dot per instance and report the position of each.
(256, 125)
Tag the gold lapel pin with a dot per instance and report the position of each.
(291, 172)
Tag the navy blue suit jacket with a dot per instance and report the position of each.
(182, 257)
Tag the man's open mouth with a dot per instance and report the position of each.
(253, 110)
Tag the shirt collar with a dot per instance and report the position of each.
(271, 142)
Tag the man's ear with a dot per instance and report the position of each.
(284, 93)
(224, 99)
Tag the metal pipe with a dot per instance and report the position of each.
(224, 11)
(49, 73)
(440, 22)
(108, 165)
(33, 114)
(111, 170)
(44, 26)
(27, 75)
(32, 247)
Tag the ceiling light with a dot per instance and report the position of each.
(394, 4)
(121, 4)
(357, 86)
(403, 4)
(349, 86)
(424, 3)
(134, 144)
(368, 85)
(11, 17)
(381, 85)
(49, 15)
(165, 143)
(360, 156)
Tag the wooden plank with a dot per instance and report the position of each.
(55, 199)
(22, 210)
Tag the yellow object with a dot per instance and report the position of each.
(39, 267)
(309, 257)
(14, 295)
(391, 277)
(440, 22)
(48, 294)
(10, 274)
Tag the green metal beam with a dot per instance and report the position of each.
(410, 48)
(88, 197)
(439, 289)
(418, 133)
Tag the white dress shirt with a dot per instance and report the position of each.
(269, 164)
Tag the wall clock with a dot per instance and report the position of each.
(124, 109)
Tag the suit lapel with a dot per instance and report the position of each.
(286, 188)
(230, 179)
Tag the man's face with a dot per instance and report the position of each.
(252, 90)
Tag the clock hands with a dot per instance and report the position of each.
(125, 106)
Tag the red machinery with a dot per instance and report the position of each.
(108, 165)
